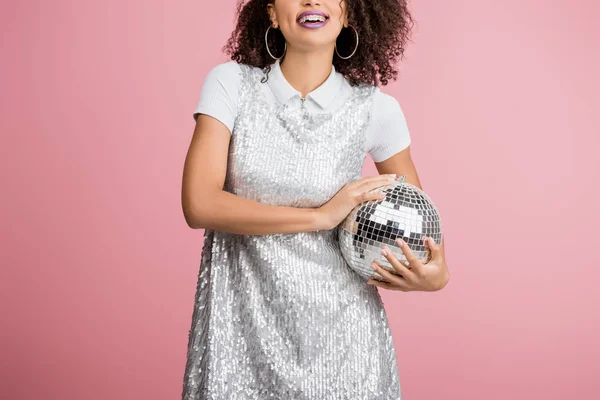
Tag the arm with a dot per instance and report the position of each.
(402, 164)
(390, 141)
(207, 206)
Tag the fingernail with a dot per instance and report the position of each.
(373, 266)
(400, 241)
(384, 252)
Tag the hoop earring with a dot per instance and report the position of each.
(355, 48)
(269, 51)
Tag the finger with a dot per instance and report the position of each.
(374, 196)
(412, 259)
(376, 182)
(376, 185)
(435, 249)
(427, 257)
(359, 182)
(392, 278)
(388, 269)
(377, 278)
(398, 266)
(388, 286)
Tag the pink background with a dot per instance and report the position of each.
(99, 268)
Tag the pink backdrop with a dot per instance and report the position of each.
(99, 268)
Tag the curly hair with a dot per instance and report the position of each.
(383, 26)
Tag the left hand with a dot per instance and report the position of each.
(416, 275)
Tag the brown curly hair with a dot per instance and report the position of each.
(385, 27)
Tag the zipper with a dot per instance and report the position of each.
(303, 109)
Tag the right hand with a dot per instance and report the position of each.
(352, 194)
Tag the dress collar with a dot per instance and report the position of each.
(322, 95)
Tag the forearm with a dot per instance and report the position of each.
(228, 212)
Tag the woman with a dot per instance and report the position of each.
(273, 167)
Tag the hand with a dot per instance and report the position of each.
(352, 194)
(415, 275)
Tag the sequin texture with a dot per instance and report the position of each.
(282, 316)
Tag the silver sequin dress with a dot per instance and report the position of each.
(282, 316)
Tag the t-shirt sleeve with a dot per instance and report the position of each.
(388, 131)
(219, 93)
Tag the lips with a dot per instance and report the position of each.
(312, 12)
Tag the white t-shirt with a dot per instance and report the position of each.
(386, 135)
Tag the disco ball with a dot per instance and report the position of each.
(406, 212)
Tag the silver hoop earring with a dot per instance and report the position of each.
(355, 48)
(269, 51)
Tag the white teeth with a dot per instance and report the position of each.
(313, 18)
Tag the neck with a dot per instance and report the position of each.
(306, 71)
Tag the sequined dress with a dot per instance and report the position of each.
(281, 316)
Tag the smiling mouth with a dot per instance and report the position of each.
(312, 19)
